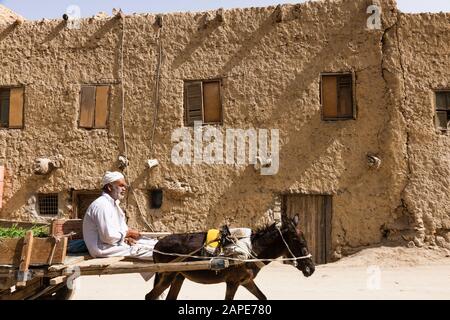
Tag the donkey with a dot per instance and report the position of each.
(270, 242)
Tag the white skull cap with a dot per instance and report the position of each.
(110, 177)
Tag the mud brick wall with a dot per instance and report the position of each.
(270, 60)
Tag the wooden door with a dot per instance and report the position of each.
(314, 212)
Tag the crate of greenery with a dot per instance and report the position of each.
(45, 250)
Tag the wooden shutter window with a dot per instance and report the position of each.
(345, 97)
(193, 102)
(329, 97)
(87, 107)
(101, 107)
(16, 108)
(441, 100)
(442, 117)
(4, 107)
(441, 120)
(337, 97)
(211, 102)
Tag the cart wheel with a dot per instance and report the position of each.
(63, 293)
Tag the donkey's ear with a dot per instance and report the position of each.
(296, 220)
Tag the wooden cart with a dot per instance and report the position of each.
(53, 274)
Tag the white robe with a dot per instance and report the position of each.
(104, 231)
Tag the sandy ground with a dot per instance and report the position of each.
(380, 273)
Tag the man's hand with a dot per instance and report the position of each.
(130, 241)
(134, 234)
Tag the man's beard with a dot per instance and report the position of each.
(116, 194)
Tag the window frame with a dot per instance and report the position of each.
(185, 103)
(437, 110)
(10, 88)
(38, 204)
(353, 95)
(108, 105)
(75, 197)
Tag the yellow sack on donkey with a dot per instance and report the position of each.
(212, 240)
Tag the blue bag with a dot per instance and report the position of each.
(77, 246)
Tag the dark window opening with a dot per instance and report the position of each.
(203, 102)
(156, 198)
(4, 107)
(442, 116)
(83, 200)
(337, 97)
(48, 204)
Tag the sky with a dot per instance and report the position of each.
(38, 9)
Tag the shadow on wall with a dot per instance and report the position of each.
(93, 40)
(205, 29)
(251, 42)
(249, 180)
(20, 197)
(54, 33)
(7, 31)
(138, 184)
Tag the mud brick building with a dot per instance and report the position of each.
(362, 113)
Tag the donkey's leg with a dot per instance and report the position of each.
(231, 290)
(175, 287)
(251, 286)
(163, 282)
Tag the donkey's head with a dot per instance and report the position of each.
(296, 246)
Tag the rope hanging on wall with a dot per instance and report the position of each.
(124, 143)
(157, 81)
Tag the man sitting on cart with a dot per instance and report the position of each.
(105, 230)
